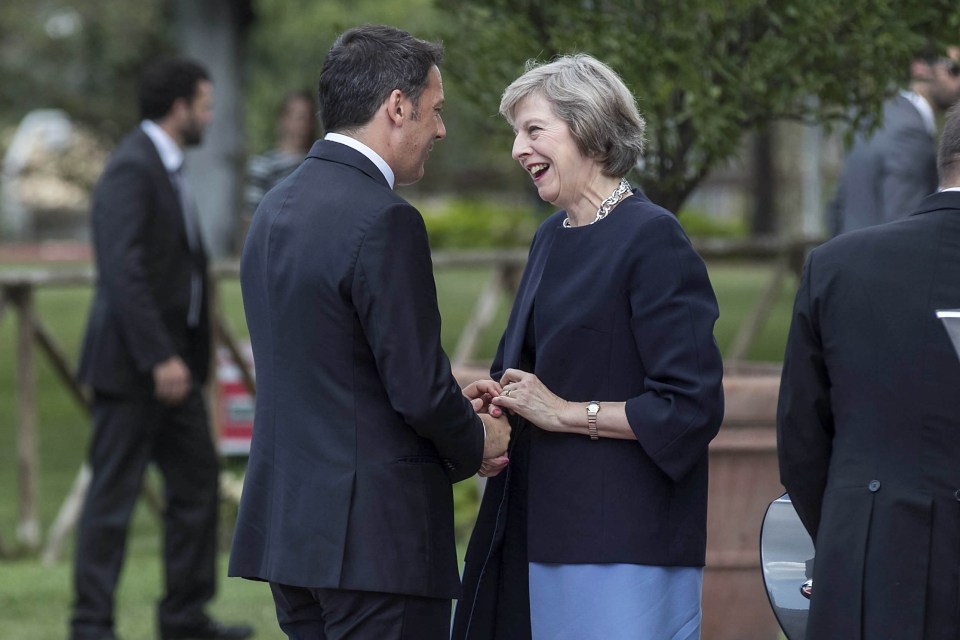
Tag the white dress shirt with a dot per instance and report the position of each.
(374, 157)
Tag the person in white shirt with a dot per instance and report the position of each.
(891, 168)
(146, 357)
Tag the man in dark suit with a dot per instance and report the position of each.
(360, 427)
(890, 169)
(146, 356)
(868, 423)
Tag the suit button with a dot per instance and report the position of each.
(874, 486)
(956, 494)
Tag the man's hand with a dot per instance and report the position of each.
(171, 380)
(492, 466)
(498, 436)
(480, 393)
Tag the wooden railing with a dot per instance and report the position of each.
(18, 292)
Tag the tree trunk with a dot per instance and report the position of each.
(764, 218)
(213, 32)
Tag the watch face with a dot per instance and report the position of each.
(593, 407)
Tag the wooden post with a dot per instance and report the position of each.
(68, 516)
(28, 441)
(226, 338)
(483, 312)
(4, 550)
(59, 362)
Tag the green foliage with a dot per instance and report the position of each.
(460, 224)
(290, 41)
(457, 292)
(82, 56)
(706, 71)
(701, 224)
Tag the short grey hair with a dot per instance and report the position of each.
(593, 101)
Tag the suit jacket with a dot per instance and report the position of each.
(620, 310)
(139, 315)
(360, 427)
(888, 171)
(868, 427)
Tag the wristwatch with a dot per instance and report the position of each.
(593, 408)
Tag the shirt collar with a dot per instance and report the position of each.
(950, 189)
(926, 111)
(170, 152)
(374, 157)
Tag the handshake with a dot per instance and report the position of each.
(495, 424)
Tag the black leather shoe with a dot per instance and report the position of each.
(209, 629)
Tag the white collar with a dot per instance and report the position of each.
(926, 111)
(950, 189)
(170, 152)
(374, 157)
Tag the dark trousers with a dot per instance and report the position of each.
(340, 614)
(128, 434)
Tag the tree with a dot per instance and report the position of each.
(288, 44)
(79, 56)
(706, 71)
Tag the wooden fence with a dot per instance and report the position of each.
(18, 293)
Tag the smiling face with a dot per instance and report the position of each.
(420, 132)
(548, 152)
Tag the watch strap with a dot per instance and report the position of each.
(593, 408)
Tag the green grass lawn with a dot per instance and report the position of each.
(34, 600)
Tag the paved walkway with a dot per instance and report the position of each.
(54, 251)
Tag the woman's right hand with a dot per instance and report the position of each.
(525, 395)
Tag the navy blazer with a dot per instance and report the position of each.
(360, 426)
(868, 427)
(620, 310)
(144, 264)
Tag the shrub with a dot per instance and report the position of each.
(459, 223)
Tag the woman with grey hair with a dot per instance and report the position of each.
(597, 527)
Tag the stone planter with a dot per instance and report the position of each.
(744, 478)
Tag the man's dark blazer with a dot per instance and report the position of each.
(144, 263)
(360, 427)
(887, 172)
(868, 427)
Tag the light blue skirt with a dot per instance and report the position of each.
(614, 602)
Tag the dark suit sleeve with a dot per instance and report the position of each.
(907, 173)
(396, 300)
(804, 420)
(673, 312)
(120, 221)
(860, 194)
